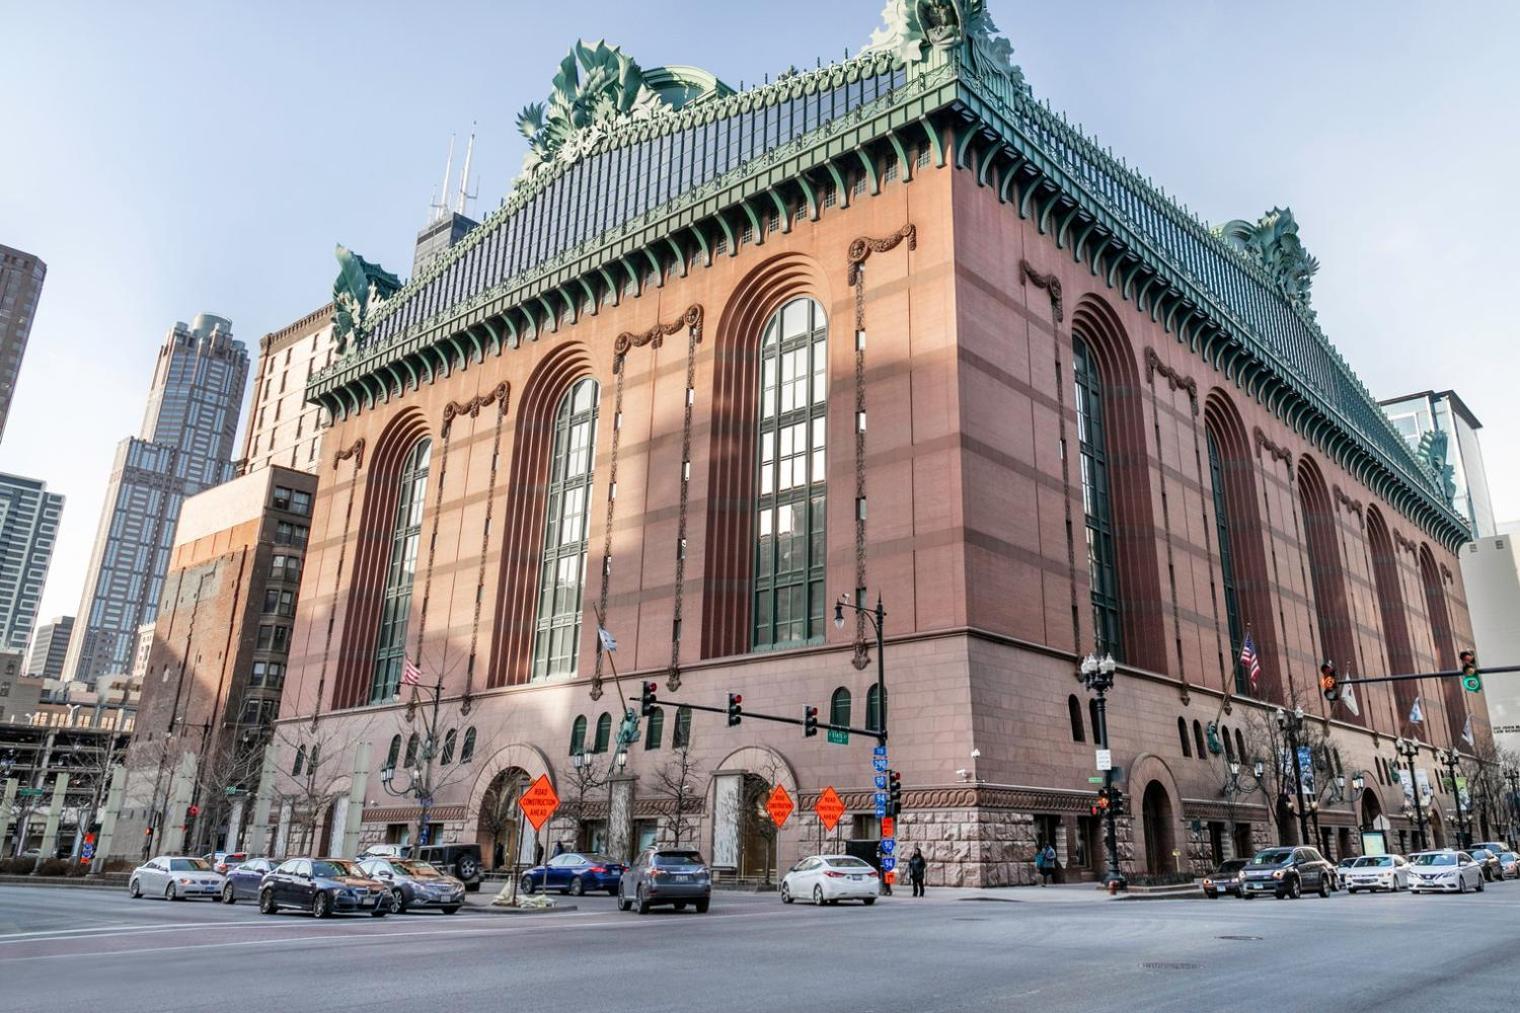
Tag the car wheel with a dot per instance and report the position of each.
(449, 909)
(170, 893)
(702, 905)
(643, 902)
(1461, 884)
(868, 901)
(229, 895)
(623, 902)
(786, 894)
(267, 904)
(398, 900)
(134, 888)
(1324, 887)
(1211, 894)
(818, 896)
(577, 887)
(321, 905)
(1295, 889)
(1482, 886)
(467, 868)
(527, 884)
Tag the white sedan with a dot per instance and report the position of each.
(175, 877)
(1444, 872)
(1376, 872)
(829, 879)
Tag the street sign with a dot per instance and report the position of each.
(839, 736)
(1095, 780)
(881, 782)
(879, 751)
(30, 792)
(888, 845)
(1105, 759)
(779, 805)
(830, 807)
(881, 798)
(888, 863)
(881, 810)
(539, 802)
(888, 827)
(879, 763)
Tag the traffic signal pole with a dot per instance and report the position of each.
(652, 699)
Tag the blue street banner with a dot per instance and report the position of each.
(888, 863)
(881, 782)
(1306, 769)
(879, 763)
(879, 751)
(888, 845)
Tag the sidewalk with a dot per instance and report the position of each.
(1060, 893)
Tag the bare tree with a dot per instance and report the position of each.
(499, 812)
(679, 785)
(316, 776)
(755, 819)
(230, 772)
(581, 784)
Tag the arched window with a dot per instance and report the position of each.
(394, 754)
(567, 518)
(449, 742)
(839, 707)
(1074, 711)
(400, 574)
(1229, 746)
(1198, 739)
(1226, 561)
(1100, 733)
(873, 707)
(295, 769)
(578, 735)
(1101, 569)
(1182, 737)
(1240, 746)
(1390, 597)
(1326, 574)
(411, 750)
(1445, 646)
(655, 729)
(793, 480)
(603, 733)
(467, 753)
(681, 739)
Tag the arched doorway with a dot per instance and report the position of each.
(499, 825)
(1372, 808)
(1160, 837)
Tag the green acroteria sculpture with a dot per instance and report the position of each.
(914, 28)
(358, 293)
(596, 87)
(1273, 242)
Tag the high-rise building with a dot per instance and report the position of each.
(185, 446)
(1442, 430)
(1491, 574)
(437, 236)
(50, 645)
(28, 526)
(21, 277)
(283, 428)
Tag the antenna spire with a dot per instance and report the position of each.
(464, 175)
(441, 208)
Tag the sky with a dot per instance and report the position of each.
(167, 159)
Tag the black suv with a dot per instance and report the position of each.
(462, 861)
(1287, 872)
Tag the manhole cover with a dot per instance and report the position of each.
(1243, 939)
(1164, 965)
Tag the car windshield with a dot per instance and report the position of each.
(677, 858)
(189, 865)
(1374, 862)
(1507, 856)
(1276, 856)
(332, 869)
(847, 862)
(1435, 859)
(418, 870)
(1233, 865)
(1481, 854)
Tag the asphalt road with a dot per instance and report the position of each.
(87, 949)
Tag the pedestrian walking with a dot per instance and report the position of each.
(559, 848)
(917, 868)
(1045, 863)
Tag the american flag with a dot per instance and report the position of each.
(1249, 658)
(411, 675)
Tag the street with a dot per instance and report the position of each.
(1061, 949)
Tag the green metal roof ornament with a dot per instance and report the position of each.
(1432, 454)
(1273, 242)
(915, 29)
(360, 290)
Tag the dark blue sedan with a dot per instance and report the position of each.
(242, 881)
(574, 873)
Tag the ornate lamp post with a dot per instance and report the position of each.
(419, 778)
(1098, 677)
(1512, 778)
(1449, 759)
(878, 619)
(1410, 750)
(1290, 724)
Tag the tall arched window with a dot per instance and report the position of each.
(1182, 737)
(1099, 732)
(1198, 739)
(1229, 744)
(578, 735)
(394, 754)
(1445, 645)
(603, 733)
(562, 575)
(467, 751)
(1240, 746)
(411, 750)
(1074, 711)
(1101, 569)
(873, 707)
(1226, 561)
(681, 738)
(400, 574)
(1390, 596)
(449, 742)
(1325, 572)
(839, 707)
(793, 480)
(655, 729)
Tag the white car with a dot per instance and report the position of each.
(1444, 871)
(175, 877)
(829, 879)
(1376, 872)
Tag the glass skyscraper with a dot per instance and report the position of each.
(29, 517)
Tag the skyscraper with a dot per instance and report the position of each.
(50, 645)
(283, 429)
(185, 446)
(1443, 432)
(21, 277)
(28, 526)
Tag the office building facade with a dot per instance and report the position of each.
(283, 428)
(29, 517)
(49, 648)
(21, 277)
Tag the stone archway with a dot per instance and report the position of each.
(498, 822)
(1372, 809)
(1158, 817)
(742, 840)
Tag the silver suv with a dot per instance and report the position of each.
(674, 876)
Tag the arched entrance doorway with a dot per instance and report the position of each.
(499, 826)
(1160, 836)
(1372, 808)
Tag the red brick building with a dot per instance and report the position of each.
(891, 327)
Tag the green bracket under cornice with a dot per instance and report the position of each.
(904, 162)
(783, 214)
(810, 195)
(868, 164)
(841, 188)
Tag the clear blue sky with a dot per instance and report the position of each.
(172, 158)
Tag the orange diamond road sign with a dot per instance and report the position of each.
(539, 801)
(779, 805)
(830, 807)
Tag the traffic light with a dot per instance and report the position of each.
(1329, 682)
(810, 720)
(1471, 680)
(735, 711)
(646, 698)
(193, 811)
(1116, 800)
(894, 793)
(1101, 803)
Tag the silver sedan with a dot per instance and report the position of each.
(175, 877)
(415, 884)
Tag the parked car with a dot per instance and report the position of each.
(1488, 861)
(1377, 872)
(1509, 865)
(1287, 872)
(462, 861)
(323, 886)
(175, 877)
(415, 884)
(674, 876)
(1225, 879)
(385, 851)
(1444, 871)
(1497, 847)
(243, 880)
(575, 872)
(829, 879)
(221, 861)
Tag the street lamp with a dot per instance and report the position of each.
(1450, 759)
(420, 775)
(1290, 724)
(1098, 677)
(878, 619)
(1410, 750)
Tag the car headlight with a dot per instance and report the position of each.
(1277, 874)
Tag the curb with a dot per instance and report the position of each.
(64, 882)
(495, 910)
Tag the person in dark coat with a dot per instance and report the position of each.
(1045, 863)
(917, 869)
